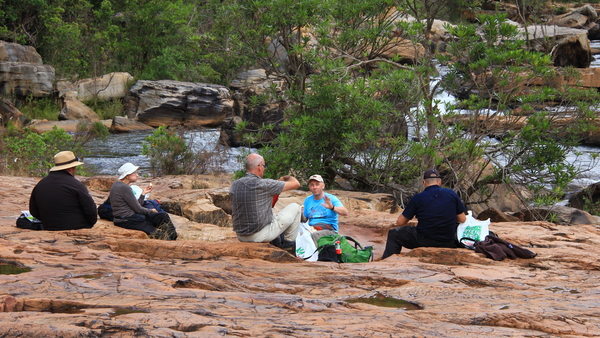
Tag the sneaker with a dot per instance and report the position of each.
(289, 246)
(277, 241)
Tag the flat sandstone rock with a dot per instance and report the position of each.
(110, 282)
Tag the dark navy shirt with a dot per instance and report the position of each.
(436, 209)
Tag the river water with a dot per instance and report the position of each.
(106, 156)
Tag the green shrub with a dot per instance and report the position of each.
(39, 108)
(27, 153)
(560, 10)
(170, 153)
(106, 110)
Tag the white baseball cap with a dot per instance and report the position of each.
(317, 178)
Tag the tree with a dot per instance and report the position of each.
(496, 79)
(338, 127)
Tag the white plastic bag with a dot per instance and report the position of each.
(473, 229)
(305, 246)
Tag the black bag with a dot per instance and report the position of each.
(32, 224)
(327, 254)
(105, 210)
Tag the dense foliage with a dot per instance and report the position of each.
(377, 123)
(151, 39)
(352, 108)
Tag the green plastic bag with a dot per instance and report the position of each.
(350, 253)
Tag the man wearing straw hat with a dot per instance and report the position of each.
(59, 200)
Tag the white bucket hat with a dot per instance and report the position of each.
(127, 169)
(65, 160)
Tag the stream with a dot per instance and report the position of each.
(106, 156)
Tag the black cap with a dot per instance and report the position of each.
(431, 173)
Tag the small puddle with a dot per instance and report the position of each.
(120, 312)
(379, 299)
(11, 269)
(74, 310)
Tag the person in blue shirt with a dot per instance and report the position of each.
(322, 209)
(438, 211)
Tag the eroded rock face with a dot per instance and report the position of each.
(166, 102)
(106, 87)
(106, 282)
(22, 72)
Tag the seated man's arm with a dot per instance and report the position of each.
(341, 210)
(291, 183)
(401, 221)
(461, 218)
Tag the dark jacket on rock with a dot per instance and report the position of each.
(61, 202)
(498, 249)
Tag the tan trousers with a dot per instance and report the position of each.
(285, 221)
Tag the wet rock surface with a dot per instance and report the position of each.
(112, 282)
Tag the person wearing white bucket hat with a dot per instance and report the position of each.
(128, 211)
(59, 200)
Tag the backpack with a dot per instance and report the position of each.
(105, 210)
(351, 253)
(27, 221)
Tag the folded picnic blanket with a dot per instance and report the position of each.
(498, 249)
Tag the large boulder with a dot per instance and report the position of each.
(123, 124)
(10, 113)
(195, 205)
(73, 109)
(249, 84)
(70, 126)
(106, 87)
(588, 198)
(166, 102)
(558, 214)
(13, 52)
(581, 18)
(257, 81)
(405, 50)
(22, 72)
(568, 46)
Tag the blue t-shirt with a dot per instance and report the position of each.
(316, 213)
(436, 209)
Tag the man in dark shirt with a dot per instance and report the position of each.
(437, 210)
(59, 200)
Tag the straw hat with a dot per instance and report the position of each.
(65, 160)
